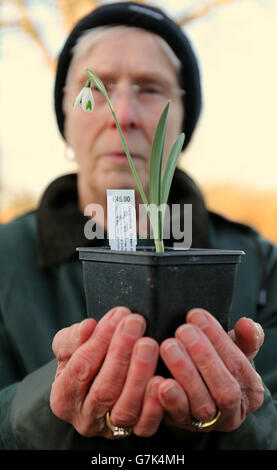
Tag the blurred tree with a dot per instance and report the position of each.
(201, 11)
(19, 203)
(26, 24)
(72, 10)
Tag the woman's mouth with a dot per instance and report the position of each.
(119, 157)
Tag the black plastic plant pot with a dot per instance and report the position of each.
(160, 286)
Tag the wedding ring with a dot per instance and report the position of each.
(206, 424)
(116, 430)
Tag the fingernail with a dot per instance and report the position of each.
(134, 326)
(188, 334)
(259, 333)
(85, 332)
(118, 315)
(80, 326)
(145, 350)
(199, 318)
(170, 392)
(153, 385)
(173, 351)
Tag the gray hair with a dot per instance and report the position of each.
(93, 36)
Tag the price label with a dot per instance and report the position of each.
(122, 230)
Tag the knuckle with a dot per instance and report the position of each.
(86, 428)
(229, 397)
(237, 366)
(125, 418)
(57, 404)
(257, 401)
(63, 344)
(81, 367)
(146, 430)
(57, 341)
(104, 396)
(256, 395)
(207, 362)
(83, 430)
(123, 355)
(205, 412)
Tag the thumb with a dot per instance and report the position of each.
(248, 336)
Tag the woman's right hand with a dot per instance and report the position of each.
(107, 366)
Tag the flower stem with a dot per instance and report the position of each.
(140, 188)
(159, 244)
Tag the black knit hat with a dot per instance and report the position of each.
(153, 20)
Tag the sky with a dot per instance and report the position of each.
(235, 141)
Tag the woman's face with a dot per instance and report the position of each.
(124, 59)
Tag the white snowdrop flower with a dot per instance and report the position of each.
(85, 98)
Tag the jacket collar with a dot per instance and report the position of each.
(60, 223)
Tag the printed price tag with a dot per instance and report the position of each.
(122, 230)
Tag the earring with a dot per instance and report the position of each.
(69, 153)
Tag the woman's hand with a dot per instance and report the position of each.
(211, 371)
(107, 366)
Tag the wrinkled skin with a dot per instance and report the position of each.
(110, 365)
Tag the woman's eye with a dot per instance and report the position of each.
(149, 90)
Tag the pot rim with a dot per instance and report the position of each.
(171, 256)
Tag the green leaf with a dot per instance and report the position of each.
(157, 157)
(156, 169)
(170, 168)
(97, 81)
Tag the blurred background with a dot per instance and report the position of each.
(233, 155)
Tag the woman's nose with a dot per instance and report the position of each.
(126, 109)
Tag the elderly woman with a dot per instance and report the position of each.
(103, 383)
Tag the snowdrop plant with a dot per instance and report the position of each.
(159, 184)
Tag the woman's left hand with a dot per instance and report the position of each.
(211, 371)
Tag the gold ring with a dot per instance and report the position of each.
(116, 430)
(202, 425)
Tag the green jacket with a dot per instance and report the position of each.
(41, 291)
